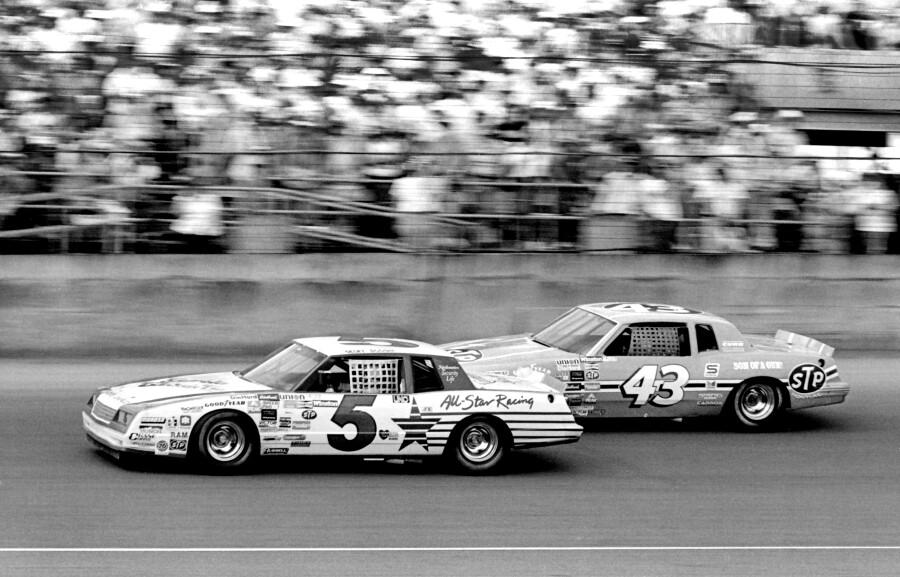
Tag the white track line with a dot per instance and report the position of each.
(440, 549)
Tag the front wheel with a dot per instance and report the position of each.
(478, 447)
(756, 405)
(225, 443)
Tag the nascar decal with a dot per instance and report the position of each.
(659, 386)
(478, 401)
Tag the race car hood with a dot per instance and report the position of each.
(500, 353)
(183, 386)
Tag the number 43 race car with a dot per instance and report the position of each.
(651, 360)
(333, 396)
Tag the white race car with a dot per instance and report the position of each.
(333, 396)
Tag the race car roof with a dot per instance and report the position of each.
(332, 346)
(625, 312)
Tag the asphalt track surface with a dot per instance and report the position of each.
(820, 497)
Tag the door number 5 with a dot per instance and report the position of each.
(661, 387)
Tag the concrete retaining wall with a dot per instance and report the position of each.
(147, 306)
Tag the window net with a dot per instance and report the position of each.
(374, 376)
(655, 341)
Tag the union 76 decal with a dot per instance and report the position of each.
(662, 387)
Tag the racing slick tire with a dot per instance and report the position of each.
(478, 446)
(756, 405)
(225, 442)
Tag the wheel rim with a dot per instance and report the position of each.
(758, 402)
(479, 443)
(225, 441)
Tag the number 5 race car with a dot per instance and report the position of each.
(333, 396)
(650, 360)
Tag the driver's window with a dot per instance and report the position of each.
(651, 340)
(360, 376)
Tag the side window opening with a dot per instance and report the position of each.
(706, 339)
(359, 376)
(652, 340)
(425, 376)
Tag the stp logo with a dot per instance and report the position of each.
(309, 415)
(807, 378)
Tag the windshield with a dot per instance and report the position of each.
(285, 368)
(577, 331)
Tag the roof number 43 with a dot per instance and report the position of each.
(661, 387)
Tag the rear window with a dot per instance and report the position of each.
(706, 339)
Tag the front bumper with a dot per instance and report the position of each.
(108, 440)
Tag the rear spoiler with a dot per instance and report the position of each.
(801, 342)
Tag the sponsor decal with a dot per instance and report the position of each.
(591, 399)
(475, 401)
(182, 383)
(298, 404)
(179, 434)
(275, 451)
(592, 375)
(150, 428)
(153, 420)
(301, 444)
(326, 403)
(225, 403)
(807, 378)
(465, 355)
(309, 415)
(711, 370)
(758, 365)
(294, 437)
(710, 399)
(184, 421)
(292, 396)
(732, 345)
(592, 387)
(711, 384)
(178, 445)
(573, 400)
(271, 438)
(581, 411)
(268, 397)
(269, 415)
(387, 435)
(400, 398)
(300, 425)
(141, 437)
(576, 375)
(284, 423)
(565, 365)
(162, 446)
(448, 373)
(192, 409)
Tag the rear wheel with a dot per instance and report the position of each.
(224, 442)
(756, 405)
(478, 446)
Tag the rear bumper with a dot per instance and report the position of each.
(832, 393)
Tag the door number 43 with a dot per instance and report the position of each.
(659, 386)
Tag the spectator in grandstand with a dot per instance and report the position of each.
(418, 197)
(723, 202)
(875, 212)
(199, 221)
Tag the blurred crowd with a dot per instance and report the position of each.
(518, 118)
